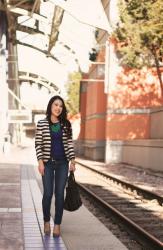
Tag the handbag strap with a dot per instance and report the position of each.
(71, 177)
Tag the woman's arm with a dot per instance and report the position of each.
(41, 167)
(71, 151)
(38, 147)
(38, 142)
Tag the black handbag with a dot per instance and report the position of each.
(72, 199)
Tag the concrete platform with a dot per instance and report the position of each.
(34, 238)
(11, 233)
(81, 230)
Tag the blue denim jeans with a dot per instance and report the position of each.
(54, 180)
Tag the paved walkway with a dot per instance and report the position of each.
(20, 204)
(11, 234)
(21, 212)
(32, 215)
(21, 225)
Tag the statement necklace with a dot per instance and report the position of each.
(55, 127)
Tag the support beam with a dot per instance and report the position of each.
(34, 78)
(35, 6)
(17, 99)
(28, 30)
(40, 50)
(23, 12)
(3, 81)
(19, 3)
(56, 22)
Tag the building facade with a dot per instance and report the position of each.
(121, 109)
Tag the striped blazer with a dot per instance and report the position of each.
(43, 142)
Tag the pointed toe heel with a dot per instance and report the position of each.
(47, 230)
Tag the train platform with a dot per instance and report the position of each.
(21, 212)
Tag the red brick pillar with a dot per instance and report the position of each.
(83, 100)
(92, 107)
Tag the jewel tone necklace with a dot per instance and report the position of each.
(55, 127)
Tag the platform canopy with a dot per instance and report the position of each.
(46, 21)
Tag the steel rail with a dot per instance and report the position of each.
(152, 240)
(146, 193)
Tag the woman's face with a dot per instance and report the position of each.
(57, 107)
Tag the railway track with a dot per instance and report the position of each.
(139, 209)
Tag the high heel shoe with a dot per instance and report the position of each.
(47, 229)
(56, 231)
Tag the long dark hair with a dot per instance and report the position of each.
(62, 117)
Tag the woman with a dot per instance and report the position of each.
(55, 154)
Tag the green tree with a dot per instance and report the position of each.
(73, 88)
(140, 34)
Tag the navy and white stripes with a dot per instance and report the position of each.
(43, 142)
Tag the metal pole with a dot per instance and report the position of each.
(3, 84)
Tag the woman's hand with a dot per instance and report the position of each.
(72, 166)
(41, 167)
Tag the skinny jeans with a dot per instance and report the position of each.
(54, 181)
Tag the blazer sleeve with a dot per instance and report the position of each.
(39, 141)
(71, 145)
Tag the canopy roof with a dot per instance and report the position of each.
(31, 9)
(40, 25)
(34, 10)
